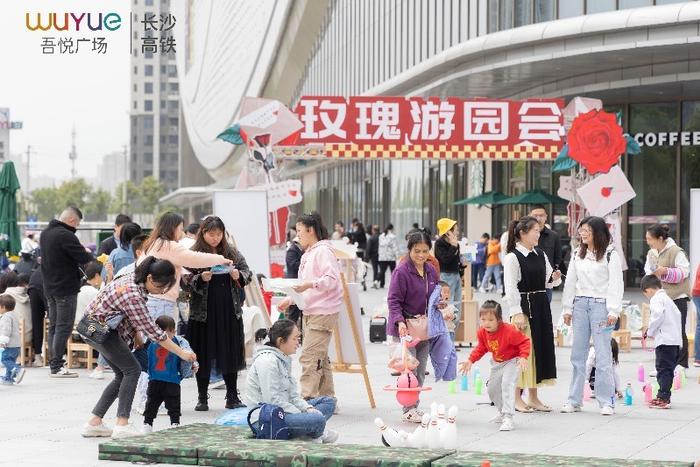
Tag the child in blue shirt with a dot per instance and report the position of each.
(165, 371)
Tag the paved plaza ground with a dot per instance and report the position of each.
(41, 419)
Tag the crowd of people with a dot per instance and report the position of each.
(169, 305)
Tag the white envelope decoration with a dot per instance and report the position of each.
(282, 194)
(606, 192)
(566, 188)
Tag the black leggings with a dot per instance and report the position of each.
(682, 304)
(38, 306)
(231, 380)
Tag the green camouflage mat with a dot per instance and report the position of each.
(476, 459)
(175, 445)
(305, 453)
(355, 455)
(255, 452)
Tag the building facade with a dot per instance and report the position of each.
(640, 57)
(155, 108)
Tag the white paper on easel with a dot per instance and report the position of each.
(348, 348)
(285, 286)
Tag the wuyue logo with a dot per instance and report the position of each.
(73, 21)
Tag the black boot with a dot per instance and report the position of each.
(233, 401)
(202, 403)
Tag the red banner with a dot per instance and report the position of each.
(407, 121)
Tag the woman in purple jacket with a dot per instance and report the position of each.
(411, 285)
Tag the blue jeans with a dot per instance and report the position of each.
(696, 302)
(495, 272)
(311, 424)
(549, 294)
(590, 319)
(455, 283)
(158, 307)
(478, 270)
(9, 361)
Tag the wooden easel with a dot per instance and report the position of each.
(341, 366)
(254, 297)
(468, 325)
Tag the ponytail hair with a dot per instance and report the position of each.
(162, 272)
(517, 228)
(388, 228)
(314, 221)
(659, 231)
(282, 329)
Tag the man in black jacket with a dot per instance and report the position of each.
(61, 257)
(549, 241)
(111, 243)
(372, 254)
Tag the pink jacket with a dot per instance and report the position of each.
(180, 256)
(320, 267)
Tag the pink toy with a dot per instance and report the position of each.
(407, 389)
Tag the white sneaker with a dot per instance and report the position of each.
(336, 411)
(569, 408)
(412, 416)
(146, 429)
(38, 361)
(19, 375)
(329, 436)
(607, 410)
(125, 431)
(218, 385)
(99, 431)
(97, 374)
(174, 425)
(507, 424)
(64, 373)
(497, 419)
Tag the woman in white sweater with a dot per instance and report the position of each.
(592, 300)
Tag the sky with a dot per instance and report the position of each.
(52, 93)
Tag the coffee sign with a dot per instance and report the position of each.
(671, 138)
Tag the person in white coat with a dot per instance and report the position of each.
(592, 301)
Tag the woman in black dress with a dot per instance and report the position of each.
(215, 326)
(527, 271)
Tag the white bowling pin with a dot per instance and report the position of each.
(442, 421)
(405, 441)
(433, 435)
(433, 409)
(449, 433)
(390, 435)
(420, 433)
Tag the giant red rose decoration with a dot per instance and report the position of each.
(596, 141)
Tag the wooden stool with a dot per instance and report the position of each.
(691, 347)
(79, 348)
(624, 339)
(26, 350)
(45, 347)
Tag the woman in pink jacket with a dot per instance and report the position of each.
(322, 290)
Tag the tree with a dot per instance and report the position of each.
(150, 191)
(98, 205)
(46, 203)
(74, 193)
(132, 198)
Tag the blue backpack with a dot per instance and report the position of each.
(271, 423)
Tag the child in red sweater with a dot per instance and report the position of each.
(509, 349)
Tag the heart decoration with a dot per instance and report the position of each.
(293, 192)
(606, 191)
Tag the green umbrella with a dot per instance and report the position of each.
(490, 197)
(534, 197)
(9, 231)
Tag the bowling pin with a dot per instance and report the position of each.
(433, 435)
(420, 433)
(640, 373)
(390, 435)
(442, 421)
(449, 433)
(647, 393)
(404, 436)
